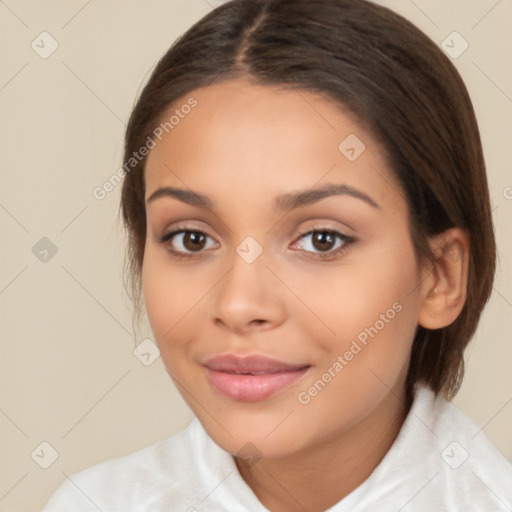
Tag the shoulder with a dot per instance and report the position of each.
(160, 472)
(446, 461)
(471, 461)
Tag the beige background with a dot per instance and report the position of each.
(68, 375)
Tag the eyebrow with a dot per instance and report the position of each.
(284, 202)
(291, 201)
(186, 196)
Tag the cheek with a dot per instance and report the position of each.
(171, 296)
(157, 299)
(368, 307)
(372, 310)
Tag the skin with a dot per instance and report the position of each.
(242, 146)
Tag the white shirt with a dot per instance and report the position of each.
(440, 461)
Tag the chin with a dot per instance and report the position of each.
(268, 434)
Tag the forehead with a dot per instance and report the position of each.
(257, 139)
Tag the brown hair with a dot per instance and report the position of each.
(396, 81)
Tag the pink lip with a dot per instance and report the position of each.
(251, 378)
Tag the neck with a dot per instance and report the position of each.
(320, 476)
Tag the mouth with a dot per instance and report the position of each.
(252, 378)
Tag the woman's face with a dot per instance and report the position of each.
(286, 302)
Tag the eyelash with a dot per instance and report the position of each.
(332, 253)
(347, 242)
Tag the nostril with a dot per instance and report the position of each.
(258, 321)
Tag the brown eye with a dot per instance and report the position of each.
(324, 243)
(186, 242)
(194, 241)
(323, 240)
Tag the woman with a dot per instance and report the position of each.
(309, 224)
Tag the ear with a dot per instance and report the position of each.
(444, 285)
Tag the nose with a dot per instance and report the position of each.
(248, 298)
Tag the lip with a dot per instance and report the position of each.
(251, 378)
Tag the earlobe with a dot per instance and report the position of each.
(444, 288)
